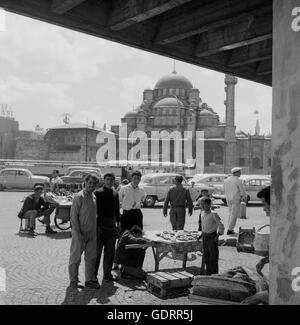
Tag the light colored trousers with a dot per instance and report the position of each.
(85, 242)
(234, 213)
(31, 215)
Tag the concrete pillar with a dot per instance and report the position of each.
(285, 215)
(230, 82)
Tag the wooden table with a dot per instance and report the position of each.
(161, 247)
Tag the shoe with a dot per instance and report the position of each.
(32, 233)
(115, 267)
(230, 232)
(50, 231)
(63, 222)
(110, 278)
(92, 285)
(76, 284)
(41, 221)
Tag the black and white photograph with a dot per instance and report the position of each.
(150, 155)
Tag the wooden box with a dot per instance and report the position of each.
(169, 282)
(245, 240)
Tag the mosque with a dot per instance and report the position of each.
(174, 104)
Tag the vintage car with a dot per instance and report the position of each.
(19, 178)
(214, 180)
(157, 186)
(91, 169)
(77, 176)
(252, 184)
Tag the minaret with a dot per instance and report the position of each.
(257, 126)
(230, 139)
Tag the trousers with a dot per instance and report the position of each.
(177, 218)
(83, 242)
(106, 241)
(234, 213)
(131, 218)
(31, 215)
(210, 253)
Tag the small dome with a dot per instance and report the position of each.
(174, 81)
(141, 112)
(206, 112)
(131, 114)
(168, 102)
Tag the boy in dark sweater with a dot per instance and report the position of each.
(131, 259)
(108, 225)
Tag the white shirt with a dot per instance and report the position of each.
(234, 189)
(131, 197)
(211, 222)
(56, 180)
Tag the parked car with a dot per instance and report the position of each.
(83, 168)
(18, 178)
(77, 176)
(252, 184)
(213, 180)
(157, 186)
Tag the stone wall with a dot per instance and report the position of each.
(31, 149)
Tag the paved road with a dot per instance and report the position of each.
(36, 268)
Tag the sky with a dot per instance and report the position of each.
(47, 71)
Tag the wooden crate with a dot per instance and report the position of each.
(169, 282)
(245, 240)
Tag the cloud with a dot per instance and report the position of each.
(51, 53)
(133, 87)
(2, 21)
(40, 103)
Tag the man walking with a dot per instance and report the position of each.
(234, 191)
(131, 197)
(34, 207)
(108, 223)
(179, 197)
(84, 234)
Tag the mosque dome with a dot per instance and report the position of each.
(168, 102)
(131, 114)
(173, 81)
(141, 112)
(206, 112)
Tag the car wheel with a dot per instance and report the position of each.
(224, 201)
(149, 201)
(1, 187)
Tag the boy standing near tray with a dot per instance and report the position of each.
(131, 197)
(212, 227)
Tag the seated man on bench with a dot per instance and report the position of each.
(34, 207)
(131, 259)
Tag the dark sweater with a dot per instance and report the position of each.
(108, 208)
(31, 204)
(133, 256)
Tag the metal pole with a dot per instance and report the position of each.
(86, 144)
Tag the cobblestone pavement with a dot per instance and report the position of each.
(36, 268)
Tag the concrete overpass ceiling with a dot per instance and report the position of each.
(229, 36)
